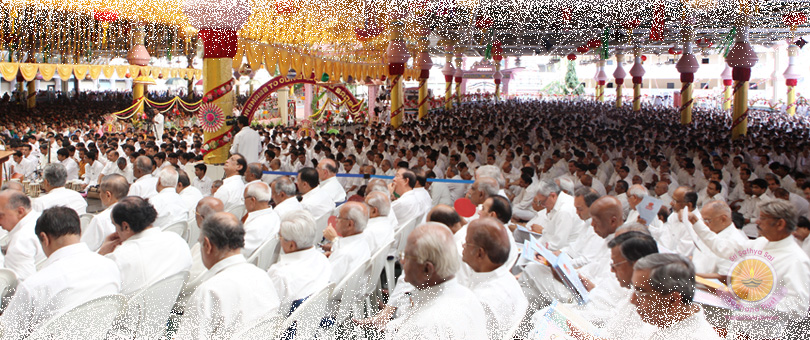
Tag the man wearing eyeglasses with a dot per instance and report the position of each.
(716, 216)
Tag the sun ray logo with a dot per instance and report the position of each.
(752, 279)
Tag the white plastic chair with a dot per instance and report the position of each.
(8, 285)
(268, 328)
(267, 253)
(85, 220)
(378, 260)
(238, 211)
(178, 228)
(400, 238)
(320, 226)
(148, 310)
(307, 317)
(90, 320)
(350, 292)
(192, 232)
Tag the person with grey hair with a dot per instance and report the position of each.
(262, 221)
(145, 183)
(380, 228)
(493, 172)
(54, 179)
(663, 293)
(302, 269)
(327, 169)
(429, 263)
(113, 187)
(237, 294)
(254, 173)
(456, 189)
(560, 225)
(189, 193)
(169, 205)
(12, 185)
(635, 195)
(19, 220)
(791, 268)
(483, 188)
(283, 193)
(351, 248)
(716, 215)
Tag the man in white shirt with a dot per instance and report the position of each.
(429, 262)
(55, 177)
(283, 190)
(24, 166)
(71, 276)
(158, 124)
(237, 294)
(144, 254)
(19, 220)
(350, 184)
(349, 250)
(230, 193)
(313, 198)
(92, 168)
(71, 167)
(113, 187)
(327, 169)
(190, 194)
(169, 205)
(145, 185)
(379, 231)
(202, 182)
(262, 222)
(563, 225)
(247, 141)
(717, 216)
(112, 166)
(302, 269)
(663, 292)
(485, 250)
(406, 206)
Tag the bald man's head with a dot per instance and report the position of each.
(607, 215)
(208, 206)
(487, 244)
(446, 215)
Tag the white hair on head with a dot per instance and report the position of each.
(566, 185)
(638, 191)
(260, 191)
(168, 177)
(298, 226)
(380, 201)
(434, 243)
(548, 187)
(358, 214)
(491, 171)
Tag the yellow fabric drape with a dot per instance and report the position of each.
(28, 71)
(255, 56)
(108, 71)
(9, 70)
(95, 71)
(64, 71)
(134, 71)
(270, 60)
(198, 74)
(240, 53)
(47, 71)
(121, 71)
(175, 72)
(80, 71)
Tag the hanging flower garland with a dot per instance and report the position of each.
(210, 117)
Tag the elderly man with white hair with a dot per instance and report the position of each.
(55, 177)
(494, 172)
(170, 207)
(302, 269)
(349, 250)
(440, 307)
(262, 221)
(635, 195)
(379, 230)
(283, 190)
(562, 224)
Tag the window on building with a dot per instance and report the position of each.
(670, 85)
(704, 61)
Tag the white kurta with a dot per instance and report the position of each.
(695, 327)
(425, 318)
(706, 262)
(502, 299)
(425, 202)
(332, 188)
(406, 207)
(148, 257)
(24, 249)
(440, 194)
(232, 192)
(72, 168)
(61, 197)
(247, 143)
(203, 184)
(144, 187)
(348, 253)
(298, 275)
(317, 203)
(72, 275)
(563, 224)
(191, 196)
(99, 228)
(260, 226)
(287, 206)
(91, 173)
(170, 208)
(237, 295)
(379, 232)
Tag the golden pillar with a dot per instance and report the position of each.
(637, 72)
(791, 79)
(398, 55)
(425, 64)
(741, 58)
(31, 100)
(687, 66)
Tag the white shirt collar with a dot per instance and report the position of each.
(226, 263)
(66, 251)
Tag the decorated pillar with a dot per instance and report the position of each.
(459, 75)
(372, 101)
(637, 72)
(791, 79)
(619, 75)
(687, 66)
(425, 64)
(601, 80)
(217, 23)
(137, 55)
(31, 100)
(398, 55)
(741, 58)
(497, 57)
(727, 82)
(448, 71)
(283, 105)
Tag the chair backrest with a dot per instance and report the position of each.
(238, 211)
(401, 235)
(351, 291)
(320, 226)
(178, 227)
(267, 253)
(192, 231)
(85, 220)
(8, 285)
(307, 317)
(377, 265)
(90, 320)
(267, 328)
(148, 310)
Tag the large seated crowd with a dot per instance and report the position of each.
(569, 176)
